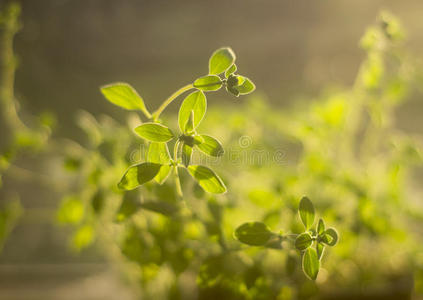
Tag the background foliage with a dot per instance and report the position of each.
(342, 149)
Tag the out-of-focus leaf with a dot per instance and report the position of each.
(71, 210)
(253, 233)
(83, 237)
(162, 207)
(129, 206)
(306, 210)
(98, 201)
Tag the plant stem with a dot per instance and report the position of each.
(178, 183)
(169, 100)
(9, 26)
(177, 180)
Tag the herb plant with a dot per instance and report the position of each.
(258, 234)
(159, 162)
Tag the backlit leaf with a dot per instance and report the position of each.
(311, 263)
(320, 227)
(210, 146)
(123, 95)
(319, 249)
(154, 132)
(221, 60)
(333, 234)
(195, 102)
(186, 154)
(230, 71)
(208, 83)
(207, 179)
(246, 87)
(303, 241)
(159, 153)
(138, 175)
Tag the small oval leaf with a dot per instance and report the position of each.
(320, 227)
(246, 87)
(303, 241)
(231, 70)
(138, 175)
(154, 132)
(123, 95)
(319, 249)
(333, 234)
(311, 263)
(186, 154)
(159, 153)
(221, 60)
(306, 210)
(207, 179)
(253, 233)
(195, 102)
(210, 146)
(208, 83)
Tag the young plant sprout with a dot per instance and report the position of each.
(258, 234)
(159, 162)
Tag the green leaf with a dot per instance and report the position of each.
(333, 236)
(246, 87)
(190, 124)
(303, 241)
(311, 263)
(186, 154)
(159, 153)
(83, 237)
(306, 210)
(154, 132)
(210, 146)
(320, 227)
(253, 233)
(221, 60)
(161, 207)
(207, 179)
(71, 211)
(208, 83)
(232, 90)
(129, 206)
(98, 201)
(138, 175)
(124, 95)
(234, 81)
(319, 249)
(195, 102)
(231, 70)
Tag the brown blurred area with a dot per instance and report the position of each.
(68, 48)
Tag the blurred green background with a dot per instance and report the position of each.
(294, 51)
